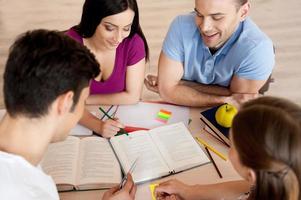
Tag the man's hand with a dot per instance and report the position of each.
(237, 99)
(126, 193)
(151, 83)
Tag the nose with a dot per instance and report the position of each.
(119, 36)
(205, 25)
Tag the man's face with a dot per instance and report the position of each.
(217, 20)
(71, 118)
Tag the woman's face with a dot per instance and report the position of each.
(114, 28)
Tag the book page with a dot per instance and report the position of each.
(178, 147)
(60, 160)
(150, 164)
(97, 163)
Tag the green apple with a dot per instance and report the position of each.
(224, 115)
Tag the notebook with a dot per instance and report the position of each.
(145, 114)
(208, 117)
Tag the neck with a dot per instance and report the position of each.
(25, 137)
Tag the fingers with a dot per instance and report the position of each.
(129, 184)
(113, 189)
(110, 128)
(151, 85)
(153, 80)
(129, 187)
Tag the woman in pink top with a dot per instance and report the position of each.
(111, 30)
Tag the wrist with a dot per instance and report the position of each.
(98, 127)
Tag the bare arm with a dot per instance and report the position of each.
(171, 89)
(134, 83)
(227, 190)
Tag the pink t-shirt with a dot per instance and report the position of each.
(129, 52)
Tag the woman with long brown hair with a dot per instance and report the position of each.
(265, 151)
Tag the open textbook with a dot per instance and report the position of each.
(95, 162)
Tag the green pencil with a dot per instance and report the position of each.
(122, 131)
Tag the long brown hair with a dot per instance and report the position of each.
(267, 135)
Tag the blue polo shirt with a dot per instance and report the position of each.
(248, 53)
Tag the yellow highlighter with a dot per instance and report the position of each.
(152, 187)
(202, 142)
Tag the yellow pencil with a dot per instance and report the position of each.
(202, 142)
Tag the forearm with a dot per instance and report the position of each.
(188, 96)
(113, 99)
(208, 89)
(90, 121)
(227, 190)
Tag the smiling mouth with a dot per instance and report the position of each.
(209, 36)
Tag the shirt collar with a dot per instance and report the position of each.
(226, 47)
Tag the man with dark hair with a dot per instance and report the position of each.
(46, 83)
(212, 56)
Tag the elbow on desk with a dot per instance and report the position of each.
(132, 99)
(166, 94)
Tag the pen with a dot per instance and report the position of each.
(214, 164)
(130, 171)
(202, 142)
(107, 112)
(122, 131)
(215, 136)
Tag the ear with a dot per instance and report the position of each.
(244, 11)
(65, 102)
(251, 176)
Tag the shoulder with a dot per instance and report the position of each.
(186, 20)
(134, 42)
(184, 23)
(74, 35)
(252, 38)
(23, 179)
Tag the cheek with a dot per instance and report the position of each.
(101, 33)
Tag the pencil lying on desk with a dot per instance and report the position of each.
(214, 164)
(202, 142)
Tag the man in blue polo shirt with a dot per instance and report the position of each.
(212, 56)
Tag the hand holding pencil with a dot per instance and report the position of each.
(111, 126)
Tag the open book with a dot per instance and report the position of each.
(82, 164)
(92, 162)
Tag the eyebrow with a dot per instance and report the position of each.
(213, 14)
(116, 25)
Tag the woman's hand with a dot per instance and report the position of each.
(171, 190)
(109, 128)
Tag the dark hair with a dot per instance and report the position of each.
(241, 2)
(267, 135)
(41, 66)
(95, 10)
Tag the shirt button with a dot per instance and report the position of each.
(209, 63)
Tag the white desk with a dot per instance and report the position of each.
(201, 175)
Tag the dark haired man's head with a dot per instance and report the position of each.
(41, 66)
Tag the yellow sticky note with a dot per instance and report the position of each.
(152, 189)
